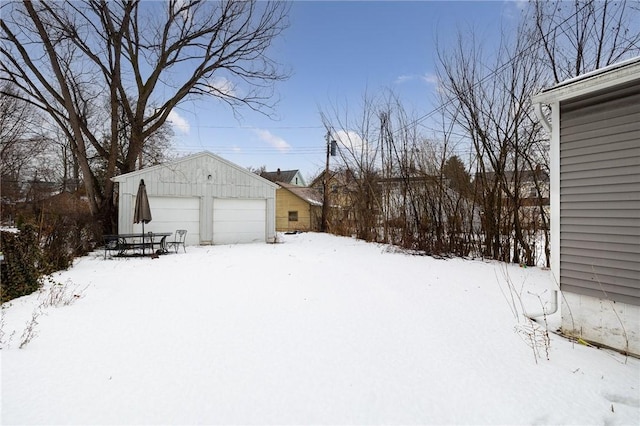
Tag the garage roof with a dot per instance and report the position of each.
(126, 176)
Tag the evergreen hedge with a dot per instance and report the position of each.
(22, 265)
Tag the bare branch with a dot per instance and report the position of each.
(142, 59)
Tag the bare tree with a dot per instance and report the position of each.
(19, 144)
(581, 36)
(143, 59)
(400, 190)
(353, 176)
(555, 41)
(418, 194)
(493, 108)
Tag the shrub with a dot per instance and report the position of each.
(67, 230)
(65, 237)
(21, 268)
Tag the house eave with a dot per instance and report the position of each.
(600, 79)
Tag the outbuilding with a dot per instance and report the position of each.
(595, 202)
(216, 201)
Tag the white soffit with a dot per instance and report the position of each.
(603, 78)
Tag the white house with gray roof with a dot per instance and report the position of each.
(291, 177)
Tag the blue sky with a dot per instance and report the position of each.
(336, 52)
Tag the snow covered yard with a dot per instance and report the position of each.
(316, 330)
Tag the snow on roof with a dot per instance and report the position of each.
(602, 78)
(310, 195)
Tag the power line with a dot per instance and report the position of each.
(420, 119)
(253, 150)
(205, 126)
(311, 150)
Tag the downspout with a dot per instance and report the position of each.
(555, 293)
(542, 117)
(553, 308)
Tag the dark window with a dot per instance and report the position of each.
(293, 216)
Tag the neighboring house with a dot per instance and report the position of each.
(24, 198)
(595, 202)
(292, 177)
(533, 189)
(394, 194)
(297, 208)
(342, 187)
(216, 201)
(531, 185)
(343, 190)
(37, 190)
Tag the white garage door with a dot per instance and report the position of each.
(171, 213)
(239, 221)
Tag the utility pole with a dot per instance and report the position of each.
(331, 151)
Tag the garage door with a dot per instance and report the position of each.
(171, 213)
(239, 221)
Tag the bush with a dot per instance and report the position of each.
(64, 238)
(67, 230)
(21, 268)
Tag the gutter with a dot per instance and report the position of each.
(542, 117)
(555, 294)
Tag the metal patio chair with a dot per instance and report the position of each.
(181, 236)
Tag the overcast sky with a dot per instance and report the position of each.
(336, 52)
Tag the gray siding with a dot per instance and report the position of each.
(600, 194)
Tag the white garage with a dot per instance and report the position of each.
(216, 201)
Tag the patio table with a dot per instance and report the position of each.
(123, 243)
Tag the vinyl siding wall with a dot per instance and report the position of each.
(600, 194)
